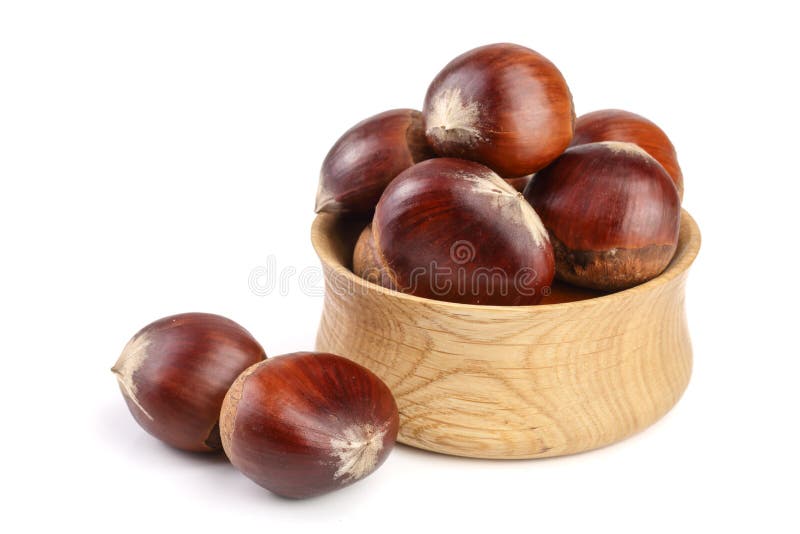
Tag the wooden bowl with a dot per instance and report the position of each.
(513, 382)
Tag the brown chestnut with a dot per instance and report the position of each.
(453, 230)
(619, 125)
(613, 214)
(174, 374)
(307, 423)
(367, 157)
(502, 105)
(366, 260)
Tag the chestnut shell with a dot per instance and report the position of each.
(620, 125)
(307, 423)
(613, 214)
(367, 262)
(502, 105)
(452, 230)
(367, 157)
(175, 372)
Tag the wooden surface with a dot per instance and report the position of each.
(513, 382)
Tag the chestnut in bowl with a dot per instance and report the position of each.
(307, 423)
(175, 372)
(613, 214)
(453, 230)
(367, 157)
(502, 105)
(366, 260)
(619, 125)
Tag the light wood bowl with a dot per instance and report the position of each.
(513, 382)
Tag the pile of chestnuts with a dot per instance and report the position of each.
(494, 189)
(299, 425)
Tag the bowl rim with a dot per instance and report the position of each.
(677, 266)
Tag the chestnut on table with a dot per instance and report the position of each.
(299, 424)
(175, 372)
(308, 423)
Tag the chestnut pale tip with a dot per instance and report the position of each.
(324, 200)
(356, 452)
(227, 418)
(454, 120)
(133, 356)
(509, 202)
(618, 147)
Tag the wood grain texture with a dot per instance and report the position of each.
(513, 382)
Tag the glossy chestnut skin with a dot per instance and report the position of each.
(452, 230)
(502, 105)
(175, 372)
(308, 423)
(366, 260)
(613, 214)
(619, 125)
(367, 157)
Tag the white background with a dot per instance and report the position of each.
(153, 153)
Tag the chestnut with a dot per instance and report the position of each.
(367, 157)
(619, 125)
(366, 260)
(613, 214)
(453, 230)
(502, 105)
(307, 423)
(174, 374)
